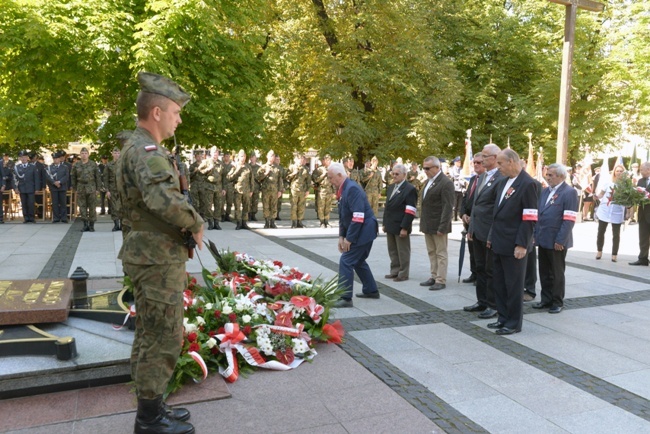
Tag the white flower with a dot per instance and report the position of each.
(211, 342)
(189, 327)
(226, 309)
(208, 306)
(199, 320)
(246, 319)
(300, 346)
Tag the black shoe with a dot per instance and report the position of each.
(470, 279)
(278, 218)
(178, 413)
(116, 226)
(238, 227)
(91, 226)
(253, 217)
(85, 229)
(476, 307)
(487, 313)
(368, 295)
(322, 224)
(506, 331)
(216, 225)
(272, 224)
(639, 262)
(428, 282)
(244, 225)
(496, 325)
(556, 309)
(342, 303)
(437, 287)
(227, 218)
(293, 224)
(152, 417)
(210, 224)
(299, 224)
(541, 305)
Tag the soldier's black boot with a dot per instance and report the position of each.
(266, 223)
(238, 227)
(210, 224)
(223, 217)
(322, 223)
(228, 219)
(253, 217)
(293, 224)
(277, 217)
(216, 225)
(244, 225)
(272, 224)
(152, 417)
(85, 229)
(327, 223)
(91, 226)
(299, 224)
(178, 413)
(116, 225)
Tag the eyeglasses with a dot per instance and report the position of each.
(427, 168)
(477, 162)
(396, 173)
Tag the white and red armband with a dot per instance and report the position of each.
(410, 210)
(570, 215)
(358, 217)
(529, 215)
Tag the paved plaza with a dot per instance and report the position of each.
(412, 361)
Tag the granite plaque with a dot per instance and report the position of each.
(34, 301)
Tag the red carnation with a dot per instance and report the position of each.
(194, 347)
(192, 337)
(247, 330)
(217, 313)
(232, 317)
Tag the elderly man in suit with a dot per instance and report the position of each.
(57, 176)
(358, 229)
(479, 229)
(399, 213)
(644, 218)
(511, 238)
(466, 211)
(558, 209)
(435, 221)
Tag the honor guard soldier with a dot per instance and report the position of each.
(57, 176)
(196, 179)
(285, 185)
(206, 189)
(215, 181)
(241, 177)
(102, 192)
(325, 191)
(26, 181)
(353, 173)
(156, 250)
(110, 185)
(373, 184)
(227, 185)
(255, 198)
(271, 187)
(299, 180)
(86, 182)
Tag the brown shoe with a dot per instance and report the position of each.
(400, 279)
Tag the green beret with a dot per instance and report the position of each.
(154, 83)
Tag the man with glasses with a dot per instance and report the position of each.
(399, 212)
(466, 211)
(480, 222)
(435, 221)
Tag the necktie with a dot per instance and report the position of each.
(471, 191)
(394, 192)
(481, 182)
(550, 195)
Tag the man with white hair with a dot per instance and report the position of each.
(358, 229)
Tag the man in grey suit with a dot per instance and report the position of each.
(479, 228)
(435, 220)
(26, 180)
(399, 212)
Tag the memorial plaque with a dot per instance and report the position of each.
(34, 301)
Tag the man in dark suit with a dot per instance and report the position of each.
(399, 212)
(5, 185)
(466, 211)
(26, 181)
(479, 229)
(435, 220)
(558, 209)
(358, 229)
(644, 218)
(511, 238)
(57, 176)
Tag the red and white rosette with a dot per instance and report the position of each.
(228, 346)
(130, 314)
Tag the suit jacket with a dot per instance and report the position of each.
(27, 178)
(57, 173)
(399, 210)
(644, 210)
(483, 207)
(468, 197)
(515, 217)
(555, 219)
(437, 206)
(357, 222)
(5, 176)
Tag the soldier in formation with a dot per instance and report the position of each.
(57, 177)
(373, 182)
(241, 177)
(353, 173)
(86, 182)
(110, 186)
(215, 180)
(299, 179)
(285, 184)
(271, 186)
(325, 191)
(196, 179)
(255, 198)
(227, 185)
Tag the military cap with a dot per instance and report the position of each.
(456, 159)
(154, 83)
(84, 149)
(199, 152)
(23, 153)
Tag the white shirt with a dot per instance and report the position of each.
(509, 183)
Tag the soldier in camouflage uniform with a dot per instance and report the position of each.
(227, 185)
(196, 179)
(325, 191)
(300, 180)
(271, 185)
(154, 253)
(353, 174)
(111, 190)
(216, 179)
(241, 176)
(122, 137)
(207, 189)
(255, 198)
(285, 184)
(87, 182)
(372, 180)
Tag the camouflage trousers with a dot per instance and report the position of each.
(230, 197)
(255, 201)
(270, 203)
(217, 200)
(279, 206)
(158, 325)
(87, 204)
(206, 198)
(298, 202)
(242, 206)
(196, 198)
(324, 206)
(373, 199)
(115, 206)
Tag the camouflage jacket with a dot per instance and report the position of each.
(319, 178)
(372, 180)
(109, 177)
(85, 177)
(256, 185)
(354, 175)
(151, 198)
(198, 178)
(242, 178)
(413, 177)
(215, 177)
(299, 179)
(269, 178)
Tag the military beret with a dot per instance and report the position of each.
(154, 83)
(84, 149)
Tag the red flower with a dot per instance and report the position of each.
(217, 313)
(277, 289)
(300, 300)
(212, 333)
(285, 357)
(284, 319)
(215, 350)
(192, 337)
(199, 310)
(334, 332)
(221, 330)
(274, 306)
(277, 264)
(194, 347)
(232, 317)
(247, 330)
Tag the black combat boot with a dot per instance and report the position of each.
(293, 224)
(322, 223)
(266, 224)
(152, 417)
(223, 217)
(91, 226)
(299, 224)
(116, 225)
(216, 225)
(272, 224)
(253, 217)
(178, 413)
(227, 218)
(210, 224)
(86, 228)
(278, 217)
(327, 223)
(244, 225)
(238, 227)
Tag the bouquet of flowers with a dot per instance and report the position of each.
(252, 314)
(627, 194)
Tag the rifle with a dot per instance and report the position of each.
(188, 239)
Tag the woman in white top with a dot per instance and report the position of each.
(609, 212)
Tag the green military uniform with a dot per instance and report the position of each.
(270, 184)
(373, 182)
(255, 198)
(354, 175)
(242, 179)
(230, 192)
(154, 257)
(215, 180)
(413, 177)
(285, 185)
(86, 181)
(325, 192)
(125, 224)
(299, 179)
(111, 186)
(196, 180)
(206, 190)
